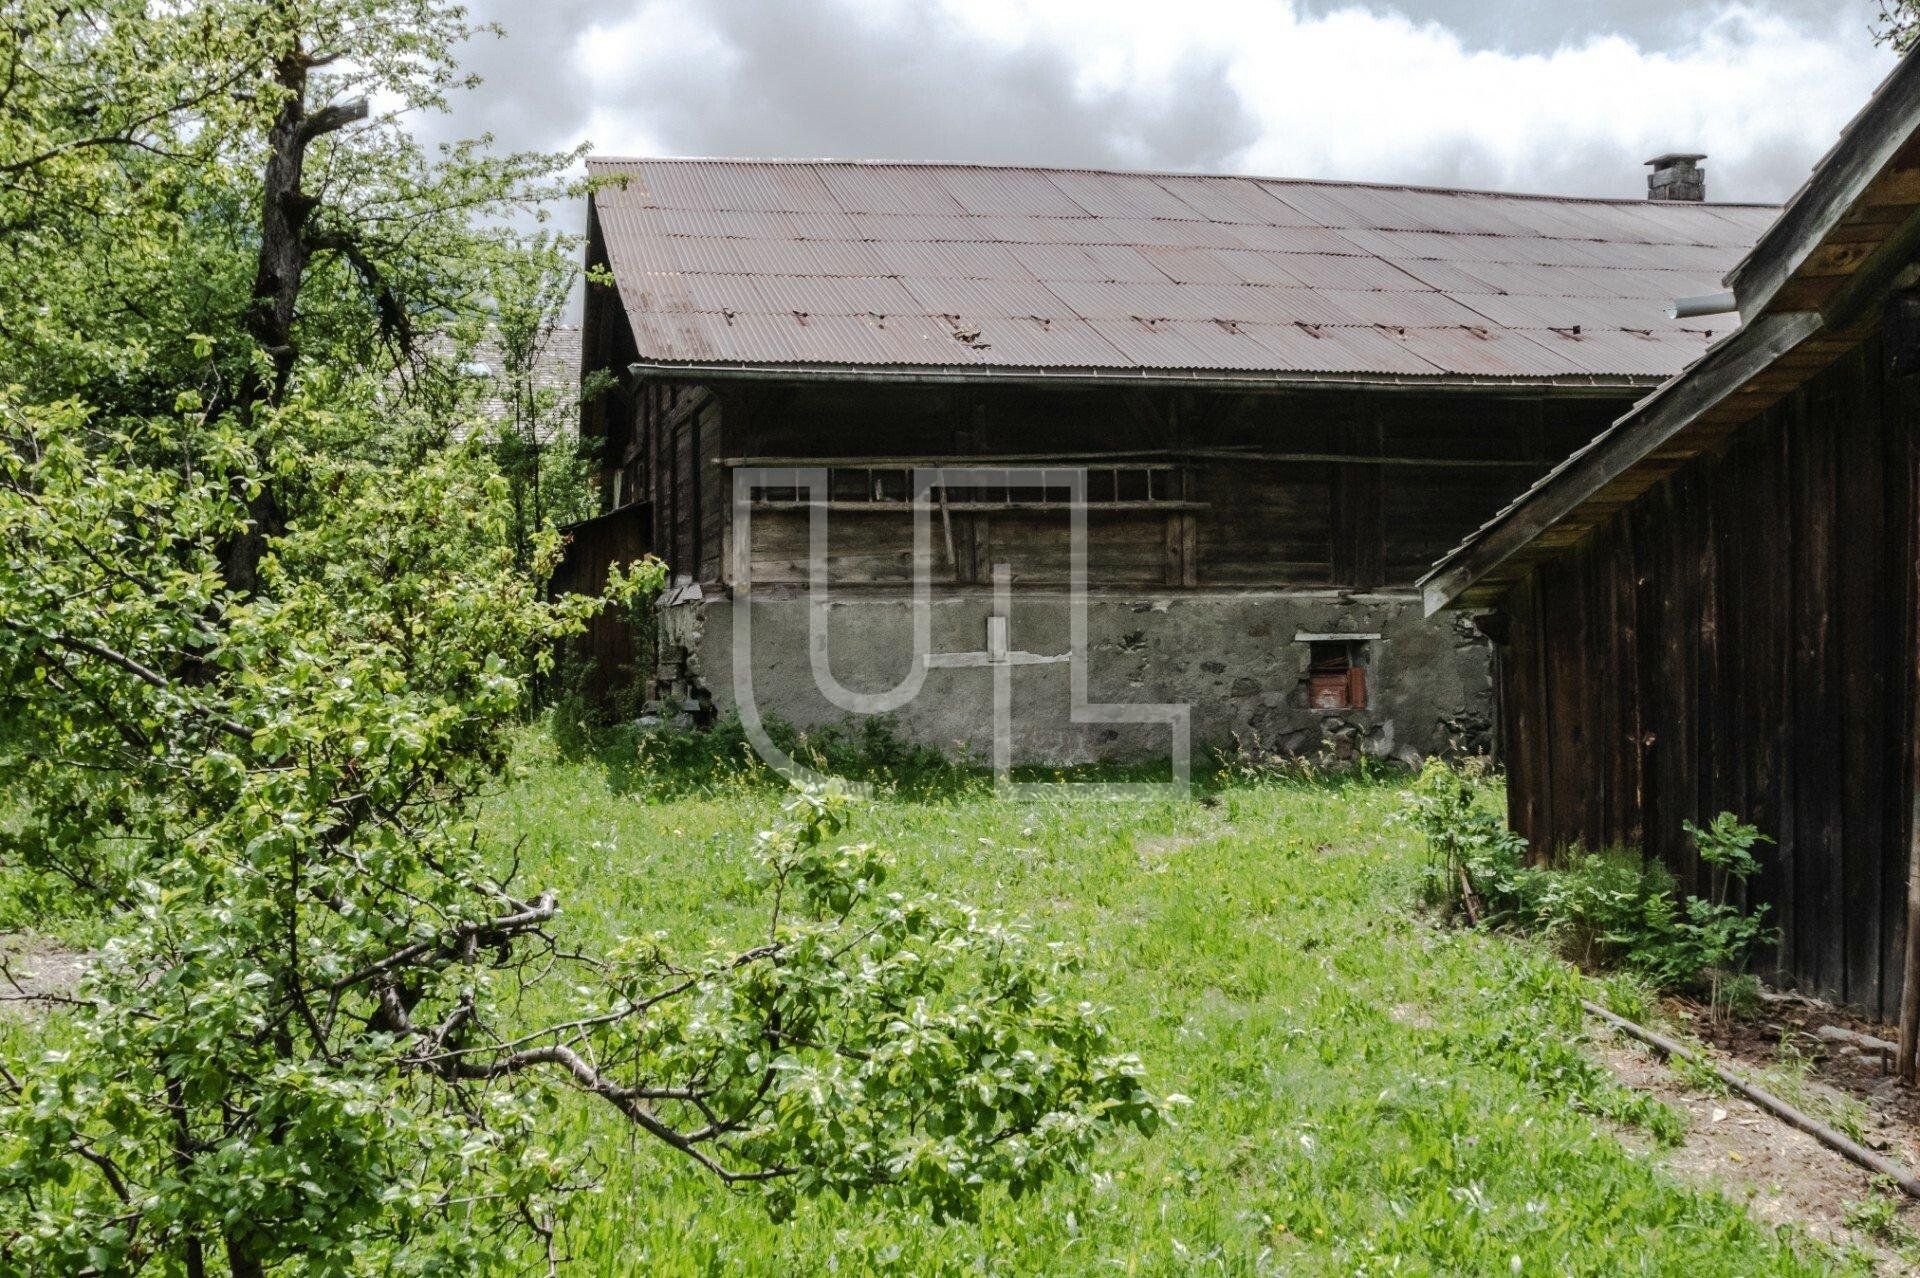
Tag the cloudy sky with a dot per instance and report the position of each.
(1534, 95)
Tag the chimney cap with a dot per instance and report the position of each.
(1672, 158)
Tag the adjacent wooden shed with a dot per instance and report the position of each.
(1712, 606)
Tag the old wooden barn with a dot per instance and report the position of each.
(1284, 400)
(1712, 606)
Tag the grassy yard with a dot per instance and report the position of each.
(1369, 1093)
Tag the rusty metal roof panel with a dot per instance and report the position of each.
(1294, 239)
(1607, 351)
(976, 300)
(1189, 265)
(743, 188)
(1098, 263)
(1339, 349)
(1483, 351)
(1531, 279)
(1234, 201)
(1403, 310)
(1349, 274)
(872, 188)
(1021, 192)
(949, 260)
(1150, 232)
(847, 295)
(1204, 302)
(1519, 310)
(786, 263)
(1124, 195)
(1446, 277)
(1183, 344)
(1250, 266)
(1046, 341)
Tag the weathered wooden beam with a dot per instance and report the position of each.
(1868, 146)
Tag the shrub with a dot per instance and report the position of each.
(1611, 908)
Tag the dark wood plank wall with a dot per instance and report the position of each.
(1346, 489)
(606, 342)
(610, 645)
(1742, 639)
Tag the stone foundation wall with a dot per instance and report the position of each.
(1234, 657)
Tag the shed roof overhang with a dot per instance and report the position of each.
(1808, 293)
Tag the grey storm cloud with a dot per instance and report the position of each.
(785, 78)
(817, 80)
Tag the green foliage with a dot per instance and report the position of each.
(878, 1041)
(536, 443)
(1469, 847)
(315, 1032)
(1371, 1094)
(270, 613)
(661, 760)
(1897, 24)
(1602, 908)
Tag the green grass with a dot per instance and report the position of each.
(1369, 1093)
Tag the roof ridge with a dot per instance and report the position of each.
(1421, 188)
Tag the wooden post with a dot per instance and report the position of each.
(1907, 1062)
(1910, 983)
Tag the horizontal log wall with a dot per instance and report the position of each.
(1741, 639)
(1341, 489)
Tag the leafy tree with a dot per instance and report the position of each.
(536, 440)
(1898, 24)
(256, 676)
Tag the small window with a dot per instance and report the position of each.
(1337, 674)
(849, 485)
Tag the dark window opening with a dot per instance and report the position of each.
(1139, 485)
(1337, 674)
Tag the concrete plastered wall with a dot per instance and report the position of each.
(1233, 657)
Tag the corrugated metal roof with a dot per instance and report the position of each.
(856, 265)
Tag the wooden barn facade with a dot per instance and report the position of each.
(1712, 607)
(1270, 405)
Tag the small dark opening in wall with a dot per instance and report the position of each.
(1337, 674)
(849, 485)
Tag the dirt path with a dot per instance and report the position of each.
(33, 970)
(1784, 1175)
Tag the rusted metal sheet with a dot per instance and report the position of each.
(781, 264)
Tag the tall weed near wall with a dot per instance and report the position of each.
(1612, 908)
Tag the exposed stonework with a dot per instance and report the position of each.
(1234, 657)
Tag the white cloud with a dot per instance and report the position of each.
(1253, 85)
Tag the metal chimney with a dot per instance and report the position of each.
(1677, 177)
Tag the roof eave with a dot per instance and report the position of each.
(1584, 386)
(1866, 147)
(1675, 406)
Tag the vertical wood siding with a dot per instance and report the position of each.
(1742, 638)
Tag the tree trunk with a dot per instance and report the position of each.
(241, 1261)
(285, 251)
